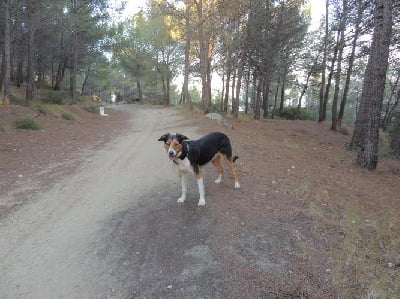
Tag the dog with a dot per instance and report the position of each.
(191, 155)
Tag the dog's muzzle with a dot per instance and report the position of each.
(171, 155)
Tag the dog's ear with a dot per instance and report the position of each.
(181, 137)
(164, 137)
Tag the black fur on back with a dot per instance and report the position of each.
(205, 148)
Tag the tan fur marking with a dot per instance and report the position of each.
(199, 175)
(217, 163)
(233, 168)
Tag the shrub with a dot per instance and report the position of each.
(293, 113)
(4, 126)
(93, 109)
(67, 116)
(17, 99)
(55, 97)
(28, 124)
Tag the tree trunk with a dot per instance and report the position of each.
(234, 72)
(254, 92)
(351, 63)
(19, 44)
(2, 72)
(282, 101)
(395, 136)
(205, 101)
(242, 62)
(61, 66)
(168, 86)
(161, 71)
(305, 87)
(185, 97)
(276, 97)
(74, 58)
(391, 107)
(322, 104)
(31, 39)
(139, 88)
(60, 74)
(246, 102)
(210, 49)
(222, 92)
(342, 28)
(84, 84)
(257, 104)
(328, 85)
(7, 52)
(265, 95)
(227, 82)
(366, 134)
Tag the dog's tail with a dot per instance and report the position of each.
(234, 158)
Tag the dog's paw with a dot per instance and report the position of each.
(237, 185)
(202, 202)
(181, 199)
(218, 181)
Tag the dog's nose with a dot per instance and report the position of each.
(171, 153)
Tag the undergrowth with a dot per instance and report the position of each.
(27, 124)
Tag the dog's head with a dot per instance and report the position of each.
(173, 144)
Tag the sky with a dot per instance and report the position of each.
(132, 7)
(317, 9)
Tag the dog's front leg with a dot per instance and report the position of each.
(183, 176)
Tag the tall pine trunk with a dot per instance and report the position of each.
(31, 39)
(242, 61)
(7, 52)
(341, 44)
(350, 63)
(74, 57)
(185, 96)
(322, 105)
(366, 134)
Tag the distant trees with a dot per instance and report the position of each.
(42, 39)
(269, 61)
(147, 50)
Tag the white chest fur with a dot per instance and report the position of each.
(184, 165)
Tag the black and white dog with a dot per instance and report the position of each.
(191, 155)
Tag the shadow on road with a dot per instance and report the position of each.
(161, 249)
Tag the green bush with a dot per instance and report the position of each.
(27, 124)
(93, 109)
(55, 97)
(293, 113)
(17, 100)
(67, 116)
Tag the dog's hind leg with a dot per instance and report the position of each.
(183, 177)
(200, 184)
(217, 163)
(234, 171)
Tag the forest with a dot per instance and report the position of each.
(259, 58)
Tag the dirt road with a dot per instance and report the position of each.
(114, 229)
(111, 228)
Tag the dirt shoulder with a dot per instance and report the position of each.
(306, 222)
